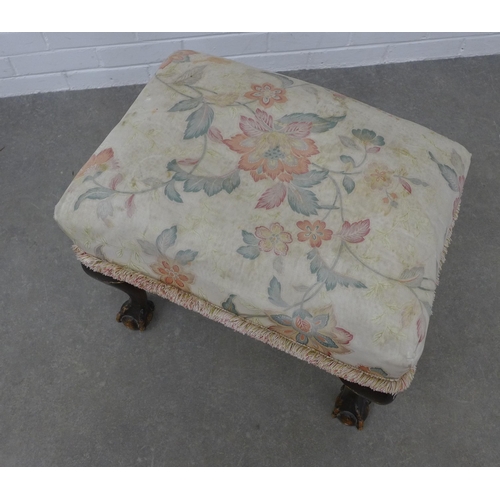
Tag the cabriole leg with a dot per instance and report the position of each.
(137, 312)
(353, 403)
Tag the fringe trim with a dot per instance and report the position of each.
(193, 303)
(447, 242)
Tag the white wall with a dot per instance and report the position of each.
(44, 62)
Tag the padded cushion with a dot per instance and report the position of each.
(285, 210)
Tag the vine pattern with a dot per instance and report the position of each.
(279, 148)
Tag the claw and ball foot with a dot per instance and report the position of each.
(137, 312)
(134, 316)
(350, 408)
(352, 405)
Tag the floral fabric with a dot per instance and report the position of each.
(296, 208)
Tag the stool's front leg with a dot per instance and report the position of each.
(137, 312)
(353, 403)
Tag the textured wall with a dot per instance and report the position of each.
(43, 62)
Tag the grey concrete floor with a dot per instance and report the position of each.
(77, 389)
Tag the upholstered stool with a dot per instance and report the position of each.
(286, 211)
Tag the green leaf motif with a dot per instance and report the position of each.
(364, 134)
(184, 257)
(451, 176)
(346, 281)
(249, 238)
(448, 173)
(316, 261)
(328, 123)
(249, 252)
(173, 166)
(416, 181)
(194, 184)
(282, 319)
(148, 248)
(199, 122)
(348, 184)
(166, 240)
(171, 192)
(368, 136)
(180, 175)
(348, 142)
(347, 159)
(310, 178)
(191, 76)
(329, 276)
(186, 104)
(274, 292)
(380, 371)
(324, 340)
(331, 279)
(302, 338)
(213, 185)
(92, 177)
(319, 124)
(228, 305)
(302, 201)
(97, 193)
(231, 182)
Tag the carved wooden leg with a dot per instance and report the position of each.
(353, 403)
(137, 312)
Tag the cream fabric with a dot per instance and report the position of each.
(292, 206)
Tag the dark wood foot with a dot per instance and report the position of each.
(350, 408)
(137, 312)
(353, 403)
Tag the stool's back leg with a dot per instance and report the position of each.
(137, 312)
(353, 403)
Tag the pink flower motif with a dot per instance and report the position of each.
(314, 232)
(378, 176)
(273, 150)
(273, 238)
(172, 274)
(355, 232)
(95, 161)
(267, 94)
(318, 328)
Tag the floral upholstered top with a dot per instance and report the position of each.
(309, 215)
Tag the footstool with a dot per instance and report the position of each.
(288, 212)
